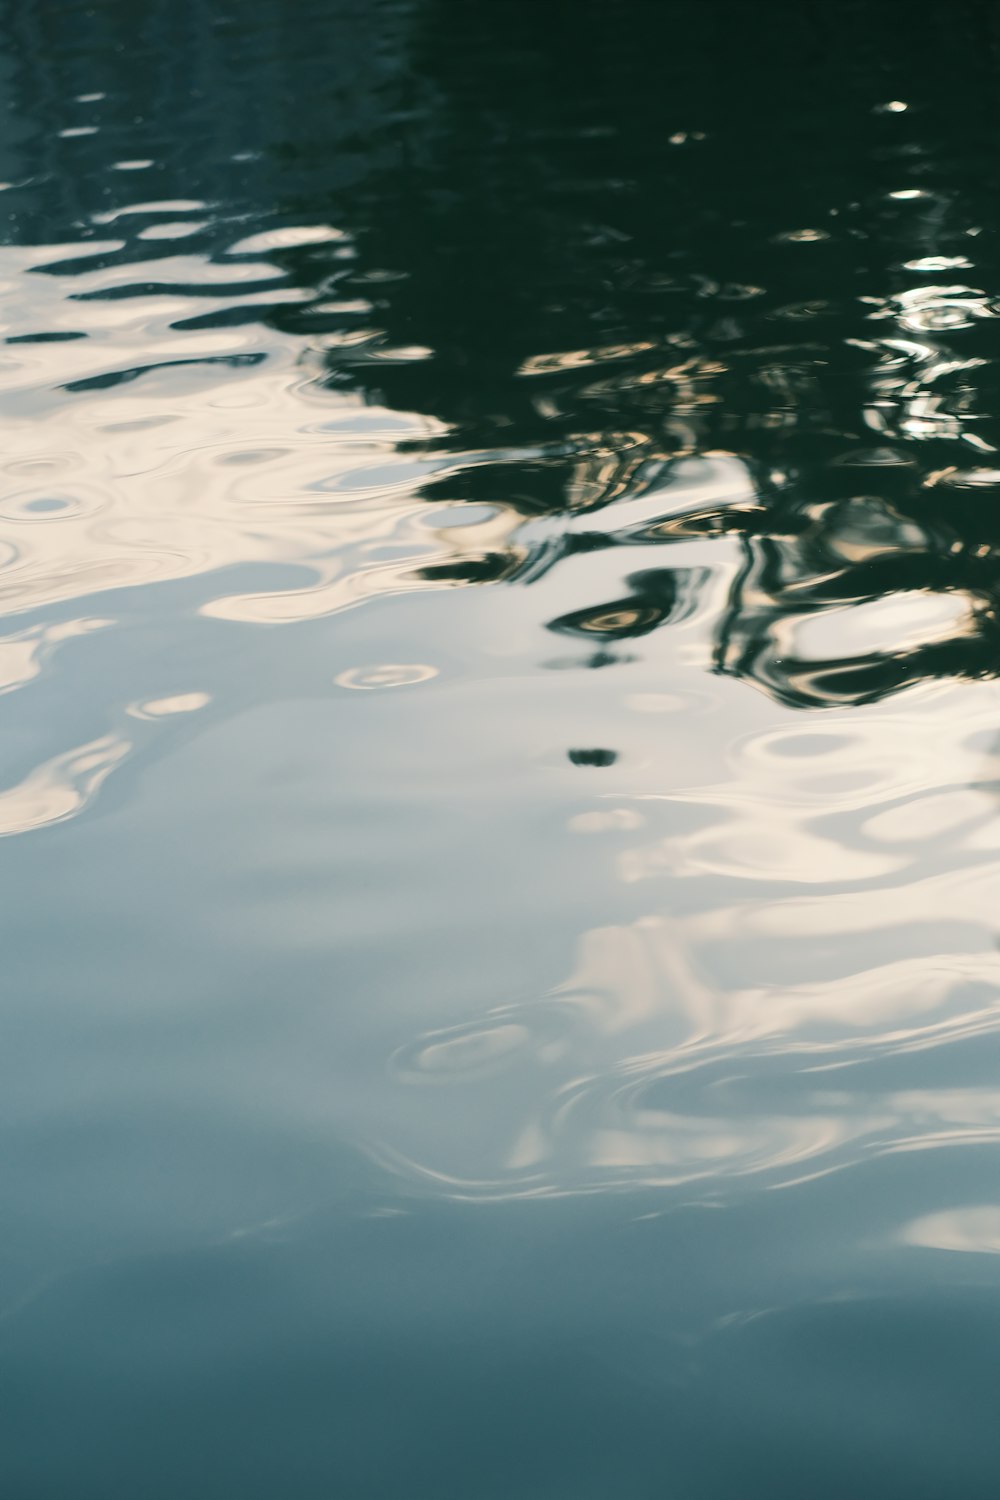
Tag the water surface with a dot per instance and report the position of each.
(499, 576)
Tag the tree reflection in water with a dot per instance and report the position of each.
(845, 365)
(570, 247)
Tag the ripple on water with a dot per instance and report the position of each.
(177, 703)
(41, 504)
(764, 1036)
(635, 454)
(386, 675)
(717, 482)
(61, 788)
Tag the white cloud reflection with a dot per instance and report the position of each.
(761, 1033)
(973, 1230)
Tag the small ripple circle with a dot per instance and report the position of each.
(386, 675)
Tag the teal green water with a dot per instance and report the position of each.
(500, 773)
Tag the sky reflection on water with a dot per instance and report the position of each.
(499, 808)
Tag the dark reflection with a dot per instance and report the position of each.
(593, 757)
(652, 601)
(566, 233)
(905, 550)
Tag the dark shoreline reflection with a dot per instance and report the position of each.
(587, 180)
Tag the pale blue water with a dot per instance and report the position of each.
(498, 787)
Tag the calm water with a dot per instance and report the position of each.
(500, 774)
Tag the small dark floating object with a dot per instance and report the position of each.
(593, 757)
